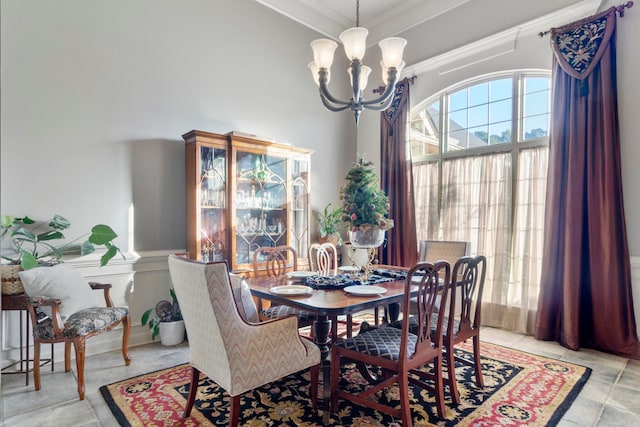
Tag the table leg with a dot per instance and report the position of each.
(321, 326)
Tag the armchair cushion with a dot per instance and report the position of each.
(83, 322)
(243, 298)
(61, 282)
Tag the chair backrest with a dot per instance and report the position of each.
(433, 281)
(214, 326)
(324, 258)
(447, 250)
(468, 278)
(277, 260)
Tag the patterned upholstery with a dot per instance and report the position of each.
(380, 342)
(83, 322)
(237, 355)
(277, 311)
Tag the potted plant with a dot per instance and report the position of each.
(329, 220)
(33, 243)
(167, 321)
(365, 206)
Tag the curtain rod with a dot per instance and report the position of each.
(620, 9)
(380, 89)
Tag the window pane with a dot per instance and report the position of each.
(536, 126)
(457, 140)
(433, 111)
(536, 103)
(536, 84)
(501, 89)
(500, 132)
(479, 136)
(458, 120)
(479, 94)
(500, 111)
(458, 100)
(478, 115)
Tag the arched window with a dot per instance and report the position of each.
(479, 152)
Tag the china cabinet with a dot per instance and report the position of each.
(242, 193)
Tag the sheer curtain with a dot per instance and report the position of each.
(477, 205)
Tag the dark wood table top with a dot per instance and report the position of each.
(332, 302)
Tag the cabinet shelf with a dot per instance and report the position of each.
(223, 175)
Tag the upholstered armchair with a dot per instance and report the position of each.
(72, 315)
(238, 355)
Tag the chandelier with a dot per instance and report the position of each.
(355, 44)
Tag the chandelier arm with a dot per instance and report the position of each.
(331, 107)
(324, 92)
(387, 94)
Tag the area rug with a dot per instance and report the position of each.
(520, 389)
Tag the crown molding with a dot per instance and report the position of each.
(503, 42)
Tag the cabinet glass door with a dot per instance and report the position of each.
(299, 221)
(212, 202)
(260, 204)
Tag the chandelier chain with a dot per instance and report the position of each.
(357, 13)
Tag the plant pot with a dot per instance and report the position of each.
(171, 333)
(11, 284)
(370, 237)
(332, 238)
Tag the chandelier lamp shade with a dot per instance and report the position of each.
(355, 44)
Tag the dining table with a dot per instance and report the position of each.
(305, 291)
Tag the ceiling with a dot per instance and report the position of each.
(383, 18)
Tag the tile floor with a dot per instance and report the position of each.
(610, 397)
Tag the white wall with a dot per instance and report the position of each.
(96, 95)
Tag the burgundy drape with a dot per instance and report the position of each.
(397, 180)
(585, 291)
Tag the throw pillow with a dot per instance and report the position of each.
(62, 282)
(244, 300)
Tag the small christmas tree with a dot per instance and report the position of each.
(364, 204)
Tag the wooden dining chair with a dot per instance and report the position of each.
(464, 317)
(323, 258)
(397, 352)
(278, 261)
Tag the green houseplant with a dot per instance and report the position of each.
(165, 319)
(27, 243)
(364, 204)
(35, 243)
(329, 221)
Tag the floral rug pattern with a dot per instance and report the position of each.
(520, 389)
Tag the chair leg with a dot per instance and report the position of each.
(451, 373)
(79, 346)
(234, 411)
(315, 371)
(193, 388)
(67, 356)
(476, 360)
(334, 329)
(335, 380)
(439, 387)
(36, 364)
(405, 406)
(126, 330)
(349, 325)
